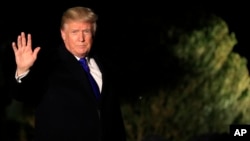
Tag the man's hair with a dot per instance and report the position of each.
(80, 13)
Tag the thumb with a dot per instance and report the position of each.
(36, 50)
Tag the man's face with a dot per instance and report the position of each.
(77, 36)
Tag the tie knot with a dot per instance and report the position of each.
(84, 63)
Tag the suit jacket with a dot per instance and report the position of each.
(65, 106)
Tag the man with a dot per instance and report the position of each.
(66, 107)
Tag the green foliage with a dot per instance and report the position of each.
(212, 92)
(203, 48)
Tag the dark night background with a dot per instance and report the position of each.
(119, 22)
(125, 28)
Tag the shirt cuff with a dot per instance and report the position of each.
(19, 77)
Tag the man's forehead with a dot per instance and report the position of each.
(78, 24)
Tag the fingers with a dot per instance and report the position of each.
(23, 39)
(19, 45)
(29, 42)
(14, 47)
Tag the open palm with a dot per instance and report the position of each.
(24, 55)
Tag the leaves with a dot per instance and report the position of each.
(212, 91)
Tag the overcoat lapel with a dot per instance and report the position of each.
(76, 70)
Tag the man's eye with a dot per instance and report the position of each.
(86, 31)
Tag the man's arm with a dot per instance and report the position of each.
(22, 82)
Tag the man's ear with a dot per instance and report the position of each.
(62, 34)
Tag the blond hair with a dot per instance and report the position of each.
(80, 14)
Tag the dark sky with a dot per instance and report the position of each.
(115, 18)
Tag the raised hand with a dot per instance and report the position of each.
(24, 55)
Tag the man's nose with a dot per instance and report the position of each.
(82, 37)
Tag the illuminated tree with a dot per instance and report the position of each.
(211, 88)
